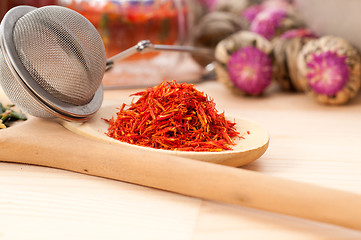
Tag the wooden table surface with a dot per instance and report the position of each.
(309, 143)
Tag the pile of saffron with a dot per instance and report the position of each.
(173, 116)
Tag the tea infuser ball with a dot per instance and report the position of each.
(52, 62)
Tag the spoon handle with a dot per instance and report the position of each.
(46, 143)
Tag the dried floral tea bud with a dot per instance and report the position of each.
(250, 70)
(244, 64)
(286, 49)
(328, 73)
(267, 21)
(213, 28)
(329, 69)
(274, 18)
(255, 7)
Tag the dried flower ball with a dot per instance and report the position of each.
(273, 17)
(267, 21)
(286, 49)
(250, 69)
(244, 63)
(329, 69)
(213, 28)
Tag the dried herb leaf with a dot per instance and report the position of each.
(8, 115)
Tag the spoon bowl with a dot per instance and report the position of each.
(251, 146)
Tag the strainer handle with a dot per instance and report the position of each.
(146, 46)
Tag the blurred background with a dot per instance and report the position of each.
(204, 23)
(122, 23)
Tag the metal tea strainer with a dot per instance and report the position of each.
(52, 62)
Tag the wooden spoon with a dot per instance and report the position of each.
(47, 143)
(247, 149)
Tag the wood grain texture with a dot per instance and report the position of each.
(309, 143)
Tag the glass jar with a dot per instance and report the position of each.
(122, 23)
(6, 5)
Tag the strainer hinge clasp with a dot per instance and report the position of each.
(144, 45)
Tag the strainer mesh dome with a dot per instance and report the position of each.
(18, 94)
(62, 51)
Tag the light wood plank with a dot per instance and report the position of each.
(44, 203)
(309, 143)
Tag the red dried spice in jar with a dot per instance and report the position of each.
(173, 116)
